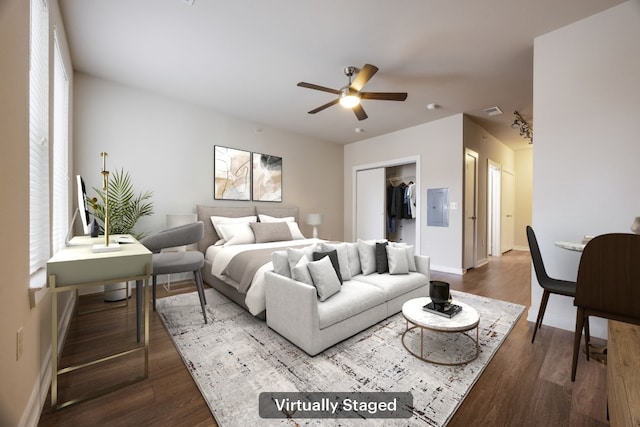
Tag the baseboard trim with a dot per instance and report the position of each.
(441, 269)
(31, 415)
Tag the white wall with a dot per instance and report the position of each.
(439, 147)
(167, 147)
(586, 155)
(524, 192)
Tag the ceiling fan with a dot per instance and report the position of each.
(349, 96)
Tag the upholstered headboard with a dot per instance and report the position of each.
(206, 212)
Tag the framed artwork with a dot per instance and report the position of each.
(231, 174)
(267, 178)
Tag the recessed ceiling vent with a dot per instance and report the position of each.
(492, 111)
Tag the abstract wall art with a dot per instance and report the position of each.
(231, 173)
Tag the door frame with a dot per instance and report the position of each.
(494, 208)
(473, 235)
(385, 164)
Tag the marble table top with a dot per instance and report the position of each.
(572, 246)
(468, 318)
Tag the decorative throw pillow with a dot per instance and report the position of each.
(280, 262)
(270, 231)
(301, 272)
(354, 258)
(409, 252)
(237, 234)
(269, 218)
(325, 278)
(343, 258)
(217, 220)
(367, 252)
(294, 229)
(333, 257)
(382, 263)
(397, 258)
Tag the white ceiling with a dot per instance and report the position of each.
(245, 57)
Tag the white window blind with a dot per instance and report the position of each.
(38, 137)
(60, 200)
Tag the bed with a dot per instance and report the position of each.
(236, 269)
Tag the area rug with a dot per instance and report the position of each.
(235, 357)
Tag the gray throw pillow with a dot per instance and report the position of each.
(354, 258)
(280, 262)
(270, 231)
(382, 263)
(343, 258)
(324, 278)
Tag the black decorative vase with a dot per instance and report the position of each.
(440, 295)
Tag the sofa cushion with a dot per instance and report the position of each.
(367, 252)
(280, 261)
(301, 271)
(354, 258)
(333, 257)
(343, 258)
(394, 286)
(325, 278)
(354, 298)
(409, 252)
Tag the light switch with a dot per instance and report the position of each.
(454, 205)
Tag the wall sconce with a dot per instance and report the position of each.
(314, 219)
(526, 130)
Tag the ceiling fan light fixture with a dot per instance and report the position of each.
(348, 99)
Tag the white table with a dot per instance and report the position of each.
(571, 246)
(466, 320)
(78, 266)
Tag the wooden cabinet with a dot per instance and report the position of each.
(623, 374)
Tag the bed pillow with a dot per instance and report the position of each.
(343, 258)
(270, 231)
(301, 271)
(411, 261)
(269, 218)
(216, 221)
(367, 253)
(354, 258)
(294, 229)
(325, 278)
(333, 257)
(280, 263)
(382, 263)
(237, 234)
(397, 258)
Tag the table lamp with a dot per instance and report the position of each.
(635, 227)
(314, 219)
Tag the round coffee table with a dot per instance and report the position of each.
(466, 320)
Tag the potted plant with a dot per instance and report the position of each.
(125, 209)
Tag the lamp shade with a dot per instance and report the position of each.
(635, 227)
(314, 219)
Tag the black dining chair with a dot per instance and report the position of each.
(548, 284)
(608, 285)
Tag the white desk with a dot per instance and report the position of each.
(77, 266)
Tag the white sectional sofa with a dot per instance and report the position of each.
(295, 310)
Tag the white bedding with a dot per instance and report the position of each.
(221, 255)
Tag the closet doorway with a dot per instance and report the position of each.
(494, 174)
(369, 210)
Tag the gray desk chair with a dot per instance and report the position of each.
(548, 284)
(174, 262)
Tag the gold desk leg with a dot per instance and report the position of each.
(54, 341)
(146, 308)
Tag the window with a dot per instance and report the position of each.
(39, 137)
(60, 199)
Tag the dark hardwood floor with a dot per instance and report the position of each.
(524, 385)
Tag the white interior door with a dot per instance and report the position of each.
(470, 208)
(507, 230)
(370, 204)
(493, 206)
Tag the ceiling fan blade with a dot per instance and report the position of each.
(384, 96)
(316, 87)
(322, 107)
(363, 76)
(359, 111)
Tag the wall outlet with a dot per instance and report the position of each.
(19, 343)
